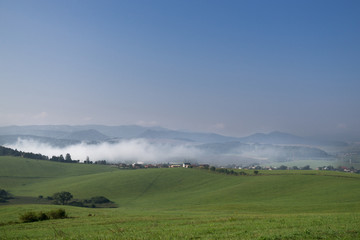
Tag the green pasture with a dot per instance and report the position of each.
(182, 203)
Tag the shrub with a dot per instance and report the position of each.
(57, 214)
(41, 216)
(29, 217)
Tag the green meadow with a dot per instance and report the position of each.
(181, 203)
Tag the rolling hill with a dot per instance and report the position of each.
(182, 203)
(185, 188)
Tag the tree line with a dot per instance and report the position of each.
(66, 198)
(4, 151)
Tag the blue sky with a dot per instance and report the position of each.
(230, 67)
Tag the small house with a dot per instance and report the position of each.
(186, 165)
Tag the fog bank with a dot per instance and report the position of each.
(136, 150)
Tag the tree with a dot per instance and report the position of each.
(62, 197)
(330, 167)
(282, 167)
(88, 160)
(68, 158)
(307, 167)
(4, 195)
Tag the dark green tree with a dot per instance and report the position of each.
(68, 157)
(307, 167)
(88, 160)
(283, 167)
(62, 197)
(4, 195)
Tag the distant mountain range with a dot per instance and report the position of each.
(289, 139)
(100, 133)
(259, 147)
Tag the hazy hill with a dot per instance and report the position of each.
(66, 131)
(186, 136)
(274, 138)
(11, 139)
(87, 135)
(101, 133)
(124, 131)
(290, 139)
(265, 151)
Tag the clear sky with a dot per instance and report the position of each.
(230, 67)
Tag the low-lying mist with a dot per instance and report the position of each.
(136, 150)
(154, 151)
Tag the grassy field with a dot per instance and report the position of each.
(182, 203)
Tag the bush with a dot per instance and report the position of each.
(29, 217)
(57, 214)
(41, 216)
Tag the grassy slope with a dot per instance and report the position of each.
(185, 202)
(15, 172)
